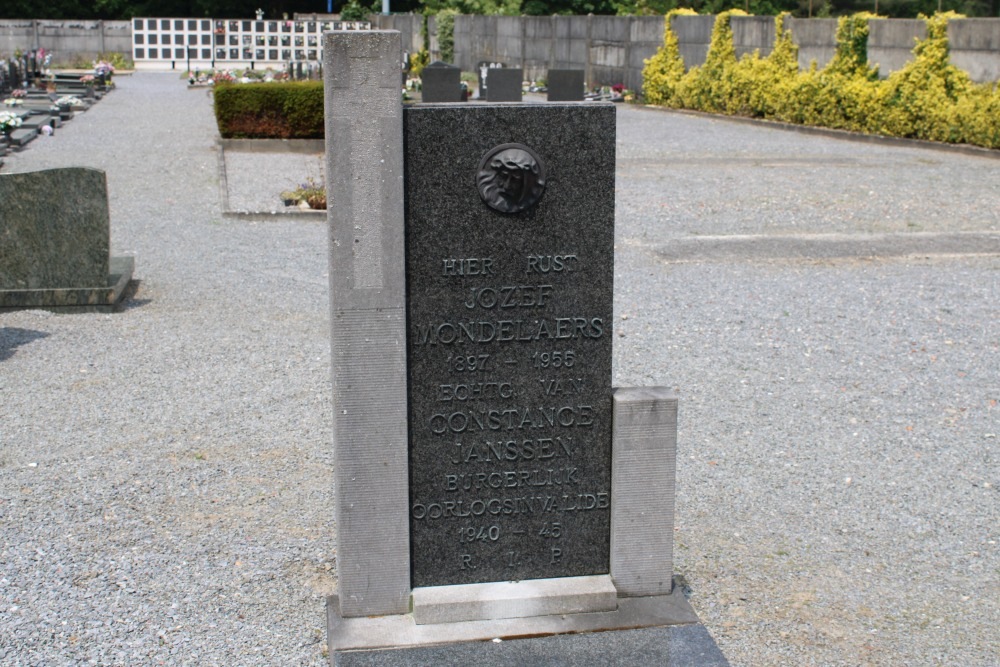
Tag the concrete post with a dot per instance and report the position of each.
(364, 177)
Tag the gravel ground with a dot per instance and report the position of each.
(165, 482)
(255, 181)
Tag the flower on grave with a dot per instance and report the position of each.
(69, 101)
(87, 79)
(224, 77)
(9, 120)
(103, 67)
(618, 88)
(19, 92)
(13, 102)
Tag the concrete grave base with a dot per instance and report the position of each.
(99, 299)
(397, 631)
(670, 646)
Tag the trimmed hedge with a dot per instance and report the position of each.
(279, 110)
(929, 98)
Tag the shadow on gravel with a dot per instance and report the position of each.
(129, 300)
(12, 338)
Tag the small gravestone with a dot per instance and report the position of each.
(441, 82)
(504, 85)
(490, 482)
(565, 85)
(55, 243)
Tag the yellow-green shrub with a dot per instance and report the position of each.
(927, 99)
(711, 87)
(918, 100)
(664, 70)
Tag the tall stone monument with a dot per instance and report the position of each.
(490, 482)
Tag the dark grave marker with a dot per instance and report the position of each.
(510, 234)
(565, 85)
(504, 85)
(441, 82)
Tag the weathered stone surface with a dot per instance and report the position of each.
(504, 84)
(565, 85)
(509, 344)
(55, 242)
(440, 82)
(513, 599)
(55, 229)
(644, 469)
(364, 177)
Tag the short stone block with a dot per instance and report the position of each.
(643, 472)
(441, 82)
(504, 85)
(565, 85)
(509, 599)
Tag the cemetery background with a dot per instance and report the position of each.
(165, 471)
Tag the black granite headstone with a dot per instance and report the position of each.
(504, 85)
(509, 264)
(565, 85)
(441, 82)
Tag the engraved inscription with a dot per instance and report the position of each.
(551, 263)
(472, 266)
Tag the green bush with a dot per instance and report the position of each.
(287, 110)
(927, 99)
(446, 34)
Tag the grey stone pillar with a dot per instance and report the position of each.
(364, 177)
(643, 470)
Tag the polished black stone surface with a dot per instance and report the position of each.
(509, 342)
(565, 85)
(440, 82)
(671, 646)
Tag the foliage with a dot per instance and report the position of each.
(662, 72)
(711, 86)
(927, 99)
(354, 11)
(117, 61)
(446, 34)
(286, 110)
(311, 193)
(418, 61)
(850, 58)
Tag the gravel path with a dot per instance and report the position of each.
(165, 486)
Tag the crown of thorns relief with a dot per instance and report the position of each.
(511, 178)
